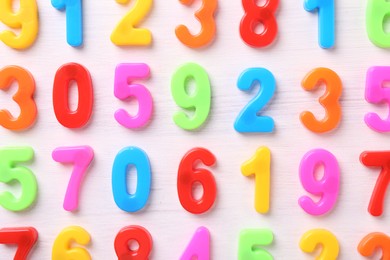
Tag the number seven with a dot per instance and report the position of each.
(81, 157)
(378, 159)
(24, 237)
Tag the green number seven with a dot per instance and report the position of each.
(377, 11)
(10, 172)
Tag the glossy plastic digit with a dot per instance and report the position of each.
(330, 245)
(74, 20)
(376, 13)
(25, 20)
(326, 20)
(248, 121)
(124, 89)
(327, 187)
(65, 74)
(255, 15)
(24, 237)
(188, 175)
(330, 100)
(378, 159)
(23, 97)
(198, 103)
(131, 157)
(377, 93)
(10, 172)
(63, 247)
(199, 246)
(259, 165)
(126, 33)
(205, 16)
(249, 242)
(133, 233)
(81, 157)
(375, 241)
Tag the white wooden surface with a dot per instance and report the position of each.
(294, 53)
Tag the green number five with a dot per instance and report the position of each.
(9, 173)
(377, 12)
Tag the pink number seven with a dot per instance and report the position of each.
(81, 157)
(124, 89)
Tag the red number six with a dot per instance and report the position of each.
(255, 15)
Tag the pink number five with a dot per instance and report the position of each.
(124, 89)
(81, 157)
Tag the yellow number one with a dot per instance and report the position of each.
(259, 165)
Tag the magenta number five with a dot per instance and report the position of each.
(81, 157)
(327, 187)
(124, 89)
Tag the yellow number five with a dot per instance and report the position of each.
(125, 33)
(259, 165)
(26, 19)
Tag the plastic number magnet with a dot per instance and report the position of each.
(199, 246)
(24, 237)
(377, 93)
(64, 248)
(188, 175)
(23, 97)
(372, 242)
(67, 73)
(74, 20)
(326, 20)
(254, 15)
(133, 233)
(330, 245)
(250, 241)
(126, 158)
(378, 159)
(125, 73)
(327, 187)
(377, 13)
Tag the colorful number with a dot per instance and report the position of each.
(65, 74)
(131, 156)
(133, 233)
(376, 13)
(62, 247)
(74, 20)
(374, 241)
(81, 157)
(255, 15)
(205, 16)
(188, 175)
(9, 173)
(123, 89)
(248, 120)
(311, 239)
(199, 102)
(329, 185)
(125, 32)
(24, 237)
(326, 20)
(26, 19)
(250, 241)
(259, 165)
(330, 100)
(376, 93)
(199, 246)
(378, 159)
(23, 97)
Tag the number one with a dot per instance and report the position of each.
(259, 165)
(74, 20)
(326, 21)
(199, 246)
